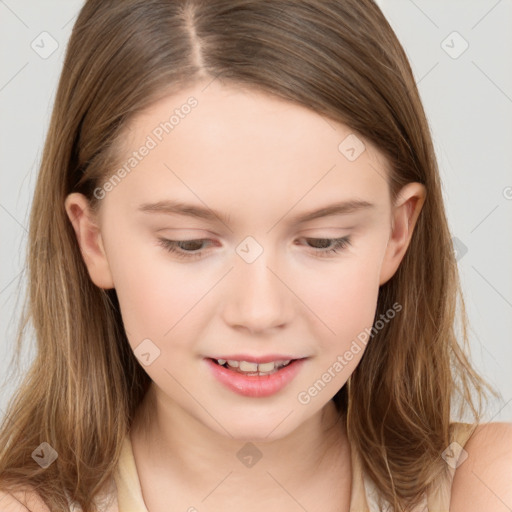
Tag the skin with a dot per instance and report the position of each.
(260, 160)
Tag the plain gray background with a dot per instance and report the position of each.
(461, 55)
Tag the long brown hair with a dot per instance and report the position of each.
(338, 58)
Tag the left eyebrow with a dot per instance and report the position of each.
(341, 208)
(191, 210)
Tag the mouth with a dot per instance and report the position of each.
(251, 368)
(254, 378)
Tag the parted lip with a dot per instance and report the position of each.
(257, 359)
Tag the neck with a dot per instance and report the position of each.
(185, 449)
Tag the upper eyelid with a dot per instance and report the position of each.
(337, 247)
(208, 239)
(345, 238)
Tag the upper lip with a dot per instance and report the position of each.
(257, 359)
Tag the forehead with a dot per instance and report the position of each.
(230, 144)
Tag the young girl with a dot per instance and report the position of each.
(242, 281)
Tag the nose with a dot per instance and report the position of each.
(258, 298)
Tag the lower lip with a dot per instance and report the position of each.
(256, 385)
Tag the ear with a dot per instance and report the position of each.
(89, 239)
(405, 212)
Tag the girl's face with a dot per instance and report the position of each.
(220, 238)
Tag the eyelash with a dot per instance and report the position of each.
(171, 246)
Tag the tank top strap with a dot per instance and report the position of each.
(365, 496)
(440, 494)
(129, 492)
(358, 501)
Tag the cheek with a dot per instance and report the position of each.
(345, 302)
(343, 293)
(155, 294)
(343, 298)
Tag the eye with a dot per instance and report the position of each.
(191, 249)
(183, 248)
(329, 246)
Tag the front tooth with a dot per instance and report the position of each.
(233, 364)
(245, 366)
(266, 367)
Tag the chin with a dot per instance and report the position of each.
(257, 426)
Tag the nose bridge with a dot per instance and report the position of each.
(258, 299)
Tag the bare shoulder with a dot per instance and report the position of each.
(22, 501)
(484, 480)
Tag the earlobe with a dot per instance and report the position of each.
(404, 216)
(89, 239)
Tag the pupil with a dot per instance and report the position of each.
(188, 245)
(321, 243)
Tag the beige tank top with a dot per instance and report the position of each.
(364, 495)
